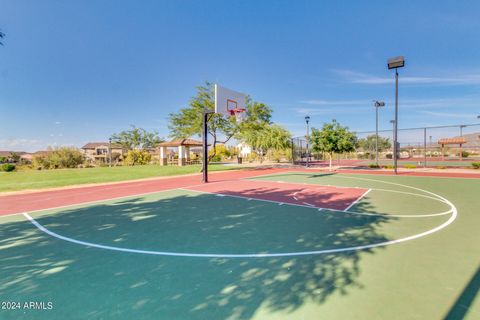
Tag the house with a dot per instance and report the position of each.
(244, 150)
(99, 151)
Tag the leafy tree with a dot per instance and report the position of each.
(270, 137)
(137, 157)
(188, 121)
(15, 157)
(368, 144)
(137, 138)
(333, 138)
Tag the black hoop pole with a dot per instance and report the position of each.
(205, 147)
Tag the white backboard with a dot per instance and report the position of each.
(226, 100)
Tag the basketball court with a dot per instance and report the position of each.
(257, 244)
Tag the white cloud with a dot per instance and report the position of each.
(324, 111)
(364, 78)
(57, 122)
(450, 115)
(20, 144)
(336, 102)
(420, 103)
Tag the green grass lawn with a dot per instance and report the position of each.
(32, 179)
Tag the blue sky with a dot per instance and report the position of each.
(77, 71)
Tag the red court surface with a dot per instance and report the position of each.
(24, 202)
(318, 196)
(39, 200)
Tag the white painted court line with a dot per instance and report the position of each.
(253, 255)
(386, 215)
(107, 199)
(358, 199)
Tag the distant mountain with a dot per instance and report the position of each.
(473, 140)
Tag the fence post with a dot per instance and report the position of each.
(424, 147)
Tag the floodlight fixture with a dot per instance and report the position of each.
(397, 62)
(377, 104)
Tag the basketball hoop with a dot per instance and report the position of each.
(238, 113)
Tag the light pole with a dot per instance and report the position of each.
(431, 155)
(307, 120)
(109, 152)
(395, 63)
(393, 130)
(377, 104)
(461, 135)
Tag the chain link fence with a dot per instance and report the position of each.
(437, 146)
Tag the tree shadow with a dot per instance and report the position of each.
(85, 282)
(466, 298)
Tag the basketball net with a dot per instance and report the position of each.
(239, 114)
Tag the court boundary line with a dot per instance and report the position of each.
(264, 255)
(310, 206)
(358, 199)
(252, 255)
(249, 198)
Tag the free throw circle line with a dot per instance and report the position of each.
(261, 255)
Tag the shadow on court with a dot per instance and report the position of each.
(461, 306)
(91, 283)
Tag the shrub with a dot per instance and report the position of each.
(216, 158)
(465, 154)
(59, 158)
(441, 167)
(389, 167)
(7, 167)
(373, 165)
(476, 165)
(410, 166)
(137, 157)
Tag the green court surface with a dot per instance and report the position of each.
(419, 163)
(409, 249)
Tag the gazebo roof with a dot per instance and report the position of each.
(452, 141)
(181, 142)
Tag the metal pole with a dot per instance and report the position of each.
(205, 148)
(376, 135)
(431, 153)
(424, 147)
(395, 135)
(461, 135)
(308, 153)
(110, 152)
(293, 151)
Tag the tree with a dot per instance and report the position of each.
(270, 137)
(137, 138)
(15, 157)
(188, 121)
(333, 138)
(367, 144)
